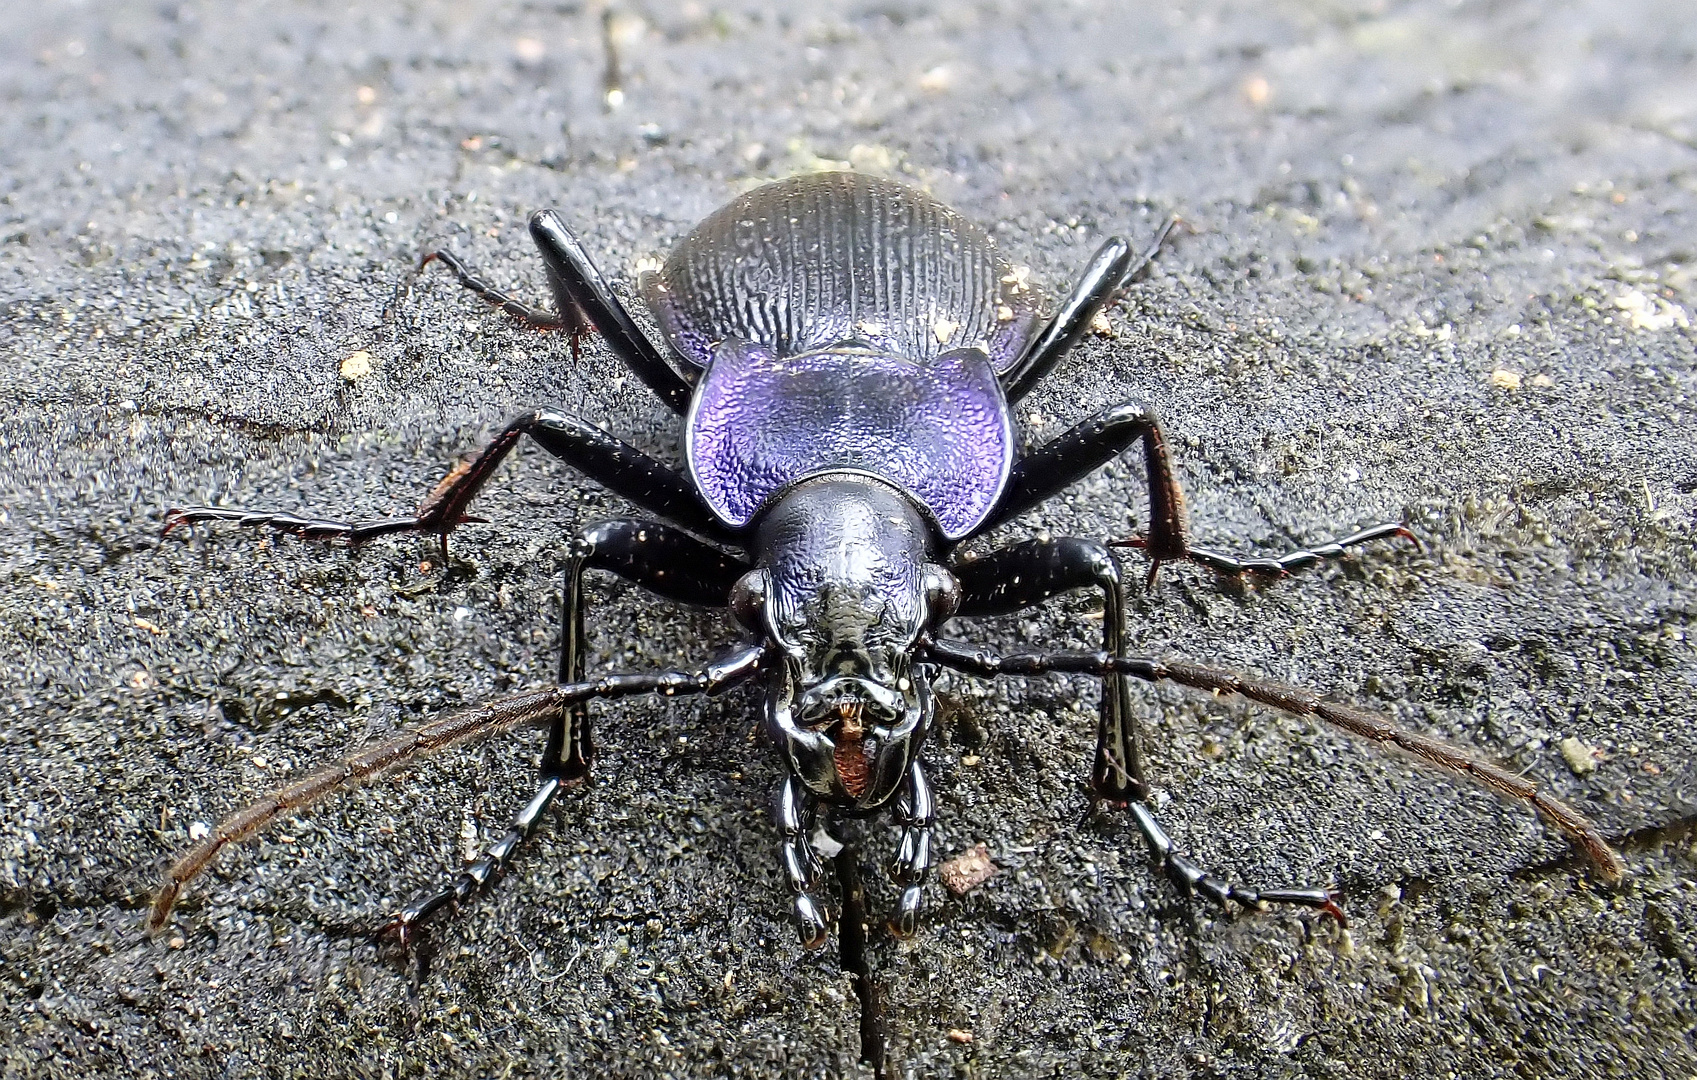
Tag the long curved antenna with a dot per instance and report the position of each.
(1299, 702)
(522, 710)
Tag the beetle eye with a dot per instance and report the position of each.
(748, 599)
(942, 594)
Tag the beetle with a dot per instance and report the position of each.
(845, 352)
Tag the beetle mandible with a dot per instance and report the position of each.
(845, 352)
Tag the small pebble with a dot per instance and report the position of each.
(1580, 757)
(357, 366)
(968, 870)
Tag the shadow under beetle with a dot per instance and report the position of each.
(845, 352)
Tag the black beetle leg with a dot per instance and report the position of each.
(795, 811)
(1025, 574)
(1296, 701)
(656, 557)
(478, 873)
(1117, 778)
(579, 287)
(915, 811)
(660, 559)
(1094, 289)
(529, 317)
(1055, 466)
(615, 465)
(1192, 879)
(585, 302)
(1110, 271)
(1143, 261)
(1283, 565)
(612, 463)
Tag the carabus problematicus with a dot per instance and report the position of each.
(846, 353)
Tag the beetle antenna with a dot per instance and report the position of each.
(522, 710)
(1298, 702)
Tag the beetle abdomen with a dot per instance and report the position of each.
(805, 263)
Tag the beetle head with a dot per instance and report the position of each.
(844, 590)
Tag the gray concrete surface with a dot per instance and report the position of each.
(1441, 271)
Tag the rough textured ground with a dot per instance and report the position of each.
(1441, 271)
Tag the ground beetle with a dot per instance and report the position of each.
(846, 352)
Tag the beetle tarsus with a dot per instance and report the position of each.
(1280, 566)
(477, 874)
(585, 303)
(304, 528)
(607, 460)
(1193, 880)
(1325, 901)
(812, 921)
(525, 315)
(1136, 271)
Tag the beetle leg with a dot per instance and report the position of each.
(585, 302)
(1192, 879)
(1283, 565)
(1117, 776)
(1055, 466)
(1083, 449)
(915, 811)
(656, 557)
(479, 872)
(1298, 702)
(1093, 290)
(579, 287)
(527, 316)
(796, 810)
(288, 524)
(1026, 574)
(661, 559)
(1110, 271)
(531, 709)
(615, 465)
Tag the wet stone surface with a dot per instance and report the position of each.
(1440, 271)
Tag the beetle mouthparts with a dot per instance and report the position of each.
(849, 756)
